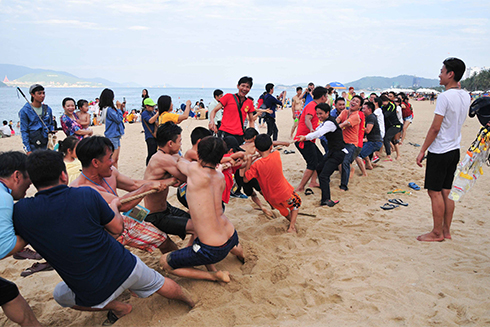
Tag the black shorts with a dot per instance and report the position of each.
(439, 172)
(310, 153)
(248, 188)
(172, 221)
(8, 291)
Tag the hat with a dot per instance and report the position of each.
(35, 88)
(149, 102)
(232, 143)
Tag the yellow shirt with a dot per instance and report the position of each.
(168, 116)
(73, 169)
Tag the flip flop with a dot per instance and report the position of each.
(309, 191)
(398, 201)
(289, 151)
(111, 319)
(388, 206)
(414, 144)
(37, 267)
(414, 186)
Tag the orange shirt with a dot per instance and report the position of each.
(268, 171)
(350, 132)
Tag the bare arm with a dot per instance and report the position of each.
(116, 226)
(283, 143)
(431, 136)
(308, 122)
(211, 125)
(187, 110)
(251, 120)
(19, 245)
(154, 118)
(368, 129)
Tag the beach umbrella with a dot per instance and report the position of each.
(337, 85)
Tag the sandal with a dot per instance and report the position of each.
(111, 319)
(37, 267)
(309, 191)
(398, 201)
(414, 186)
(389, 206)
(289, 151)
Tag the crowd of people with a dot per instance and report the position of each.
(228, 156)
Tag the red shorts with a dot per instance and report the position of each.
(293, 203)
(143, 236)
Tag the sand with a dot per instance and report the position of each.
(351, 265)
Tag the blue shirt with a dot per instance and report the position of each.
(29, 121)
(271, 102)
(66, 226)
(308, 98)
(114, 126)
(7, 232)
(145, 116)
(334, 113)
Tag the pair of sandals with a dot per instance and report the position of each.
(393, 203)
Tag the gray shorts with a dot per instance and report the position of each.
(143, 281)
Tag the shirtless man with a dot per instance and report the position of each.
(95, 154)
(163, 164)
(197, 134)
(216, 234)
(296, 108)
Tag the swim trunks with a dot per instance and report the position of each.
(201, 254)
(293, 203)
(143, 236)
(172, 221)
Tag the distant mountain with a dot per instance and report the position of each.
(25, 76)
(402, 81)
(2, 84)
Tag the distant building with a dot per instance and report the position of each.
(6, 80)
(416, 82)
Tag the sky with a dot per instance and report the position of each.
(197, 43)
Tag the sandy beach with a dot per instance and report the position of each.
(351, 265)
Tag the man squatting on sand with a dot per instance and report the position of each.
(95, 268)
(216, 236)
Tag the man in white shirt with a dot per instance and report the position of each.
(5, 130)
(443, 143)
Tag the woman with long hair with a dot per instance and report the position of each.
(114, 126)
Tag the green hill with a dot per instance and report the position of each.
(54, 79)
(2, 84)
(402, 81)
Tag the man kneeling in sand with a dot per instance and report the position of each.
(95, 154)
(216, 236)
(71, 228)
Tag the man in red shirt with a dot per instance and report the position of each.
(236, 108)
(308, 122)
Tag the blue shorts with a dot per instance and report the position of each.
(201, 254)
(116, 141)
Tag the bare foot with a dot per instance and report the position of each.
(431, 237)
(314, 185)
(447, 235)
(223, 276)
(292, 229)
(298, 190)
(369, 167)
(121, 309)
(364, 175)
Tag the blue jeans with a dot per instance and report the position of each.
(369, 148)
(349, 157)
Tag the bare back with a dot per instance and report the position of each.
(205, 187)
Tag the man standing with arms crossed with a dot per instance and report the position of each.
(443, 143)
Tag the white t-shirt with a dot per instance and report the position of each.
(381, 121)
(399, 114)
(453, 105)
(5, 129)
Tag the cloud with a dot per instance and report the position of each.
(139, 28)
(74, 24)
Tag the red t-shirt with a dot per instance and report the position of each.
(350, 132)
(362, 128)
(230, 122)
(268, 172)
(228, 173)
(308, 110)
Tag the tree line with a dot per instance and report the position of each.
(478, 82)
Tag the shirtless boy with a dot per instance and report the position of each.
(216, 234)
(163, 164)
(83, 115)
(95, 154)
(296, 108)
(197, 134)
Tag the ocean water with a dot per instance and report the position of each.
(11, 102)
